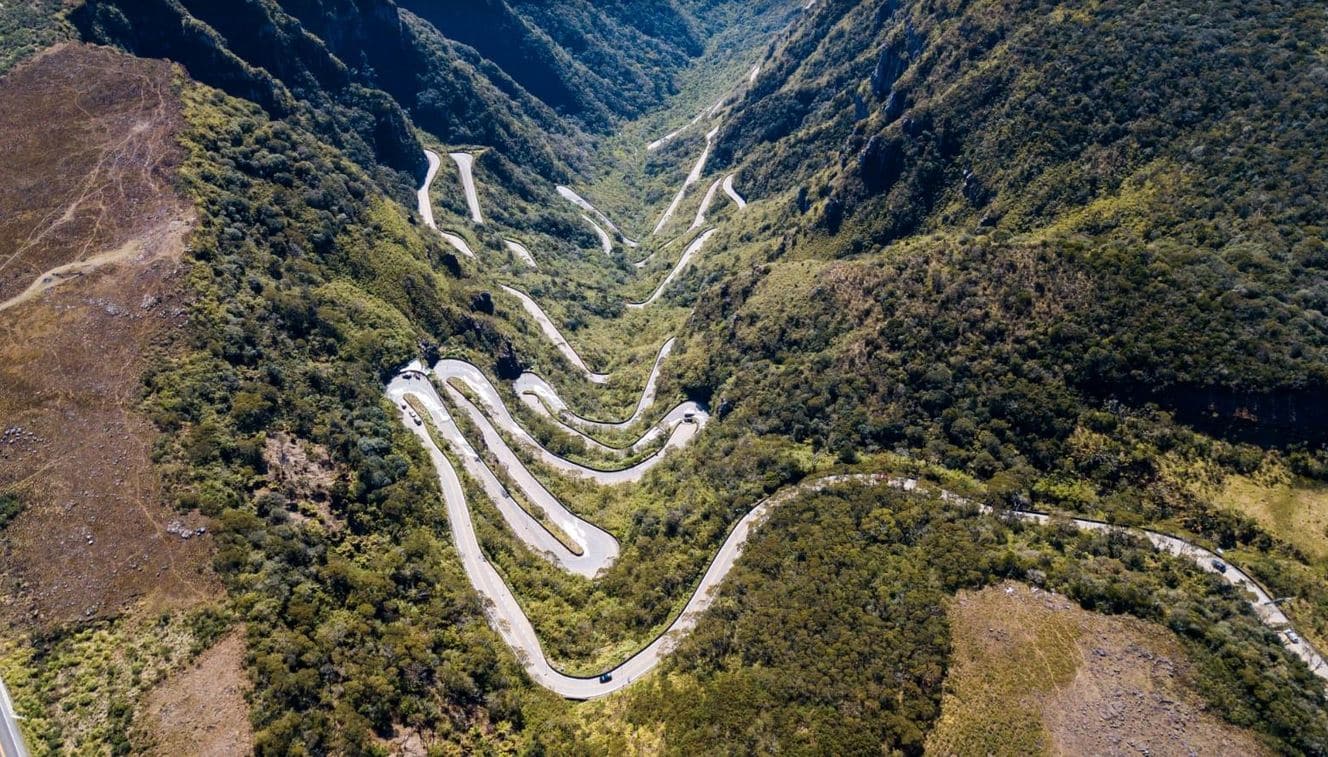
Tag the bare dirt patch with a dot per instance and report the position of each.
(202, 710)
(1034, 673)
(88, 167)
(1291, 509)
(303, 474)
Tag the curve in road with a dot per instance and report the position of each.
(598, 548)
(507, 617)
(541, 397)
(422, 199)
(495, 415)
(692, 177)
(457, 243)
(1263, 606)
(686, 258)
(571, 196)
(605, 241)
(554, 335)
(425, 205)
(733, 193)
(465, 165)
(667, 138)
(520, 251)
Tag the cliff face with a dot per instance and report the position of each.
(517, 77)
(256, 51)
(1163, 200)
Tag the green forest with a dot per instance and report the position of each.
(1066, 257)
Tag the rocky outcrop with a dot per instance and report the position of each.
(890, 65)
(256, 51)
(881, 163)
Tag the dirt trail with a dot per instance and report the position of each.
(61, 274)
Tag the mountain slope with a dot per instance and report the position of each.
(987, 252)
(1159, 247)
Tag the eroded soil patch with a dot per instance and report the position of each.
(89, 165)
(1034, 673)
(202, 710)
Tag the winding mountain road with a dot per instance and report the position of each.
(457, 243)
(494, 414)
(422, 199)
(571, 196)
(704, 207)
(554, 335)
(1262, 603)
(733, 193)
(511, 622)
(425, 206)
(598, 548)
(541, 397)
(686, 258)
(605, 241)
(592, 549)
(521, 252)
(693, 176)
(465, 165)
(667, 138)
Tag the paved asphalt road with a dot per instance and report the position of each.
(465, 164)
(422, 196)
(692, 177)
(11, 738)
(733, 193)
(594, 549)
(495, 416)
(571, 196)
(541, 397)
(551, 331)
(686, 258)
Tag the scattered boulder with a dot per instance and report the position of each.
(881, 163)
(482, 303)
(508, 366)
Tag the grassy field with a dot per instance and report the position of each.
(1291, 509)
(1035, 674)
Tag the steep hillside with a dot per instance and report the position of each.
(90, 285)
(1105, 146)
(412, 371)
(1013, 216)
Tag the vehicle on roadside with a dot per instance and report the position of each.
(689, 417)
(1291, 636)
(1219, 566)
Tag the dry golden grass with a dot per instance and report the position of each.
(202, 710)
(1035, 674)
(1291, 510)
(88, 174)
